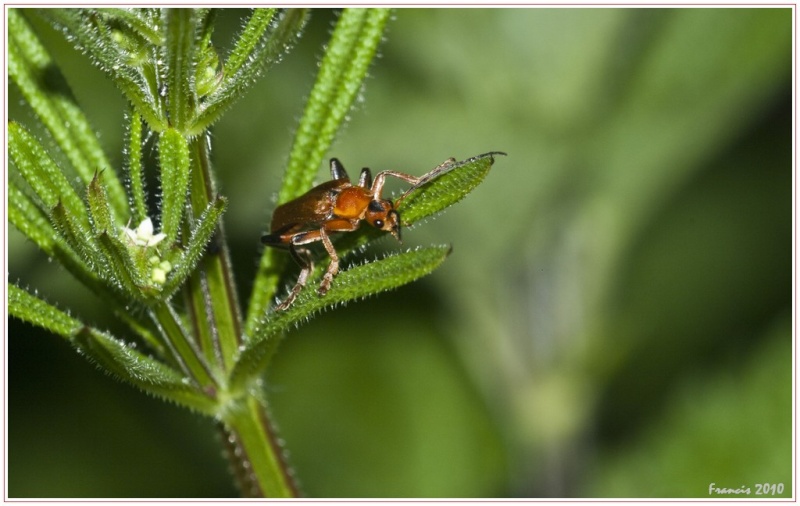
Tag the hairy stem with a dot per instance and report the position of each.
(256, 456)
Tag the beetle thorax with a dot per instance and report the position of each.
(351, 203)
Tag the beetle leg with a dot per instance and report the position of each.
(380, 179)
(333, 267)
(415, 182)
(437, 171)
(303, 258)
(425, 178)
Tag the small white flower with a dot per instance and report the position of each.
(143, 234)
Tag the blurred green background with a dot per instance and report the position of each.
(615, 319)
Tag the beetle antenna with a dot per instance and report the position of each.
(442, 169)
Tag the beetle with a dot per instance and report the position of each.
(337, 206)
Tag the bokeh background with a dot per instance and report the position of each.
(615, 319)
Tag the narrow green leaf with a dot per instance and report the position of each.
(446, 188)
(200, 315)
(32, 309)
(124, 272)
(46, 91)
(24, 214)
(203, 231)
(341, 76)
(88, 29)
(353, 46)
(42, 173)
(208, 72)
(173, 151)
(32, 221)
(179, 36)
(29, 219)
(149, 375)
(135, 171)
(251, 36)
(99, 210)
(181, 345)
(79, 239)
(442, 187)
(146, 333)
(137, 21)
(355, 283)
(206, 20)
(211, 293)
(67, 212)
(256, 49)
(111, 354)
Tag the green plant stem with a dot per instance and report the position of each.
(211, 289)
(183, 348)
(257, 459)
(216, 318)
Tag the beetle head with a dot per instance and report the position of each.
(381, 215)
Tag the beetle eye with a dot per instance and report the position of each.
(378, 223)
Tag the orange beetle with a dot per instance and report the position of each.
(332, 207)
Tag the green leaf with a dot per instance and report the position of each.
(183, 348)
(147, 333)
(354, 283)
(339, 81)
(24, 214)
(203, 231)
(79, 238)
(91, 33)
(208, 72)
(437, 190)
(29, 219)
(99, 209)
(138, 21)
(150, 375)
(135, 171)
(46, 91)
(257, 48)
(124, 272)
(33, 310)
(341, 76)
(173, 150)
(113, 355)
(42, 173)
(211, 297)
(179, 34)
(249, 40)
(446, 188)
